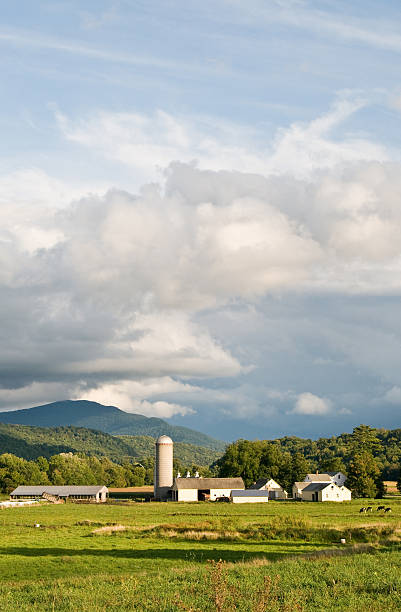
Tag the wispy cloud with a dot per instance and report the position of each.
(29, 39)
(378, 35)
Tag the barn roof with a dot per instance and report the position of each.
(62, 491)
(302, 485)
(262, 482)
(208, 483)
(319, 477)
(249, 493)
(318, 486)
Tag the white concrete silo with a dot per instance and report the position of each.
(163, 467)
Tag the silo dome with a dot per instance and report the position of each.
(164, 440)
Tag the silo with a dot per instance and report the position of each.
(163, 467)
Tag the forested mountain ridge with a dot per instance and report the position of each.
(30, 442)
(109, 419)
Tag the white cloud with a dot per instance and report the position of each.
(147, 143)
(379, 34)
(312, 405)
(108, 295)
(393, 395)
(33, 395)
(121, 395)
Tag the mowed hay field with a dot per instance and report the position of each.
(200, 557)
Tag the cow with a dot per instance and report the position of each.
(362, 510)
(387, 509)
(381, 508)
(369, 509)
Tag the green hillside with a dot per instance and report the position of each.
(109, 419)
(31, 442)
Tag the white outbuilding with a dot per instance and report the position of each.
(204, 489)
(275, 490)
(249, 496)
(91, 493)
(297, 489)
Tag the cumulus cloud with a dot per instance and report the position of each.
(312, 405)
(122, 396)
(125, 298)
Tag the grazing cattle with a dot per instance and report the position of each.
(369, 509)
(387, 509)
(362, 510)
(381, 508)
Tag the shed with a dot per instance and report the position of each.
(276, 491)
(249, 496)
(200, 489)
(297, 489)
(97, 493)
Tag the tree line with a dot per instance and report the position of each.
(361, 459)
(79, 469)
(359, 455)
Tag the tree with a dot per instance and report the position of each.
(299, 467)
(364, 438)
(363, 475)
(335, 464)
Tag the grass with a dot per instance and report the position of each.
(200, 557)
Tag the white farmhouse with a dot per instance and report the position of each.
(337, 477)
(275, 490)
(325, 491)
(203, 489)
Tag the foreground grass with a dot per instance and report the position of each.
(279, 556)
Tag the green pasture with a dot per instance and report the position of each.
(200, 556)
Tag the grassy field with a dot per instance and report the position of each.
(200, 557)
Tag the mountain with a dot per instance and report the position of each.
(109, 419)
(31, 442)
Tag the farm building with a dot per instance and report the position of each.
(268, 484)
(324, 491)
(249, 496)
(337, 478)
(202, 489)
(89, 493)
(297, 489)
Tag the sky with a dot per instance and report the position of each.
(200, 214)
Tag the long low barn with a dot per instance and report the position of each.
(91, 493)
(249, 496)
(200, 489)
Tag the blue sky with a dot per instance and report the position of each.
(200, 214)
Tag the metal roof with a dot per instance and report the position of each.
(208, 483)
(61, 491)
(319, 477)
(318, 486)
(249, 493)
